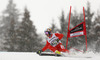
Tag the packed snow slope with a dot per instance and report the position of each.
(34, 56)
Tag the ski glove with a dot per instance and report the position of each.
(39, 52)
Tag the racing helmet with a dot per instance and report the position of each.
(48, 31)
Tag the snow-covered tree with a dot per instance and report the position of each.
(88, 17)
(63, 27)
(54, 27)
(96, 32)
(10, 24)
(27, 38)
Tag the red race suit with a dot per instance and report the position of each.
(58, 46)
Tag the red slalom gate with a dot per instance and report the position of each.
(78, 30)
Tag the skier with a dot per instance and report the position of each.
(53, 42)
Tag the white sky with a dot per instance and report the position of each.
(44, 11)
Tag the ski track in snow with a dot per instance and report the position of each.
(34, 56)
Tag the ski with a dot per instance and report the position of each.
(49, 54)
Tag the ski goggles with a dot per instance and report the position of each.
(46, 32)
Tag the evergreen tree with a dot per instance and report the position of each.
(96, 33)
(10, 24)
(53, 27)
(63, 26)
(88, 18)
(26, 35)
(76, 18)
(62, 22)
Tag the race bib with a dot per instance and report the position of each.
(54, 43)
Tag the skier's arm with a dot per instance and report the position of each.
(46, 46)
(60, 36)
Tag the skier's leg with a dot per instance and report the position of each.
(63, 49)
(54, 49)
(60, 47)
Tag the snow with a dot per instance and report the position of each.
(34, 56)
